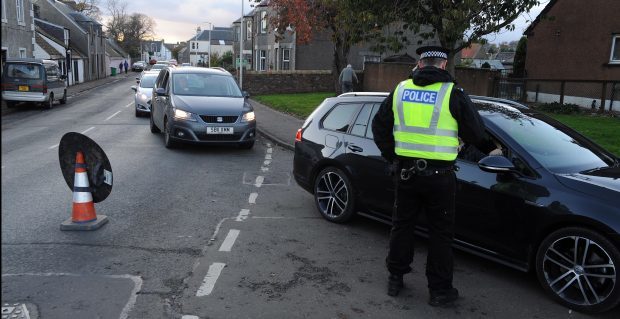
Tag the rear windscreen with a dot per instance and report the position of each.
(24, 71)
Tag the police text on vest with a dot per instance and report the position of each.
(418, 96)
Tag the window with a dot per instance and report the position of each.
(375, 108)
(615, 49)
(51, 72)
(22, 52)
(286, 59)
(263, 22)
(248, 33)
(4, 11)
(340, 116)
(153, 47)
(263, 60)
(361, 123)
(20, 11)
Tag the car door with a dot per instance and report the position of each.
(494, 210)
(374, 186)
(158, 102)
(53, 80)
(334, 125)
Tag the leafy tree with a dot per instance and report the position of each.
(129, 30)
(485, 65)
(518, 66)
(90, 8)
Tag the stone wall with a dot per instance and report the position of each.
(275, 82)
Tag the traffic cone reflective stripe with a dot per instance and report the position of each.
(83, 205)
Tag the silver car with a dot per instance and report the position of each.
(144, 91)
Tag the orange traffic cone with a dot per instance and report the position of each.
(84, 216)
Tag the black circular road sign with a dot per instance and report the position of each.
(97, 164)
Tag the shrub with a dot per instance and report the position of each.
(558, 108)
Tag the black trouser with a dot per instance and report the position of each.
(435, 194)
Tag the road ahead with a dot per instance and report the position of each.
(205, 232)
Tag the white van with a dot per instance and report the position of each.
(33, 80)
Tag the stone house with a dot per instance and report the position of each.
(18, 38)
(52, 42)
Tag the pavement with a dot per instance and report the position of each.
(274, 125)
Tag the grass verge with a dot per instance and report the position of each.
(298, 104)
(604, 130)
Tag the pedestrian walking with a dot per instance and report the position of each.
(120, 68)
(346, 78)
(417, 129)
(126, 66)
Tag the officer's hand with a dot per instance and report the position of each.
(496, 152)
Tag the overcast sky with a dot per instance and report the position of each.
(177, 20)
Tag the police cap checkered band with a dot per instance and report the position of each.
(432, 52)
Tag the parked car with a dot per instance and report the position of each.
(144, 91)
(550, 204)
(173, 62)
(158, 66)
(33, 80)
(202, 106)
(186, 64)
(138, 66)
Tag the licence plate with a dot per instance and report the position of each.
(219, 130)
(23, 88)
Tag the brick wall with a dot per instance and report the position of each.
(287, 82)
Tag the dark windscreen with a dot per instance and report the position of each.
(24, 71)
(204, 84)
(148, 81)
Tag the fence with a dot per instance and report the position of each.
(604, 95)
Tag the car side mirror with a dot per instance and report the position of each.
(246, 94)
(161, 92)
(137, 78)
(497, 164)
(133, 87)
(63, 77)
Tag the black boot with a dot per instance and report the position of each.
(441, 298)
(395, 284)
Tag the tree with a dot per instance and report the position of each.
(458, 23)
(518, 66)
(89, 8)
(128, 30)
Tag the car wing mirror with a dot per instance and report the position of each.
(246, 94)
(161, 92)
(497, 164)
(133, 87)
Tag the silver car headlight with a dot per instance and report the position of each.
(248, 117)
(142, 97)
(183, 115)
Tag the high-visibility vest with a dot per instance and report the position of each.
(423, 124)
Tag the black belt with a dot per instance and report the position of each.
(420, 167)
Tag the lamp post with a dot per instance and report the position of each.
(241, 50)
(210, 28)
(197, 35)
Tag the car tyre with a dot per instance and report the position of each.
(154, 128)
(11, 104)
(333, 195)
(168, 141)
(50, 102)
(577, 267)
(64, 98)
(138, 114)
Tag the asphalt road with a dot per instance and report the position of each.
(206, 232)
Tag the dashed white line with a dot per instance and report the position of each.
(252, 199)
(269, 150)
(243, 214)
(52, 147)
(229, 241)
(266, 163)
(210, 279)
(259, 181)
(111, 116)
(130, 104)
(88, 130)
(268, 156)
(264, 169)
(189, 317)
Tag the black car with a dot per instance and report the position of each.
(550, 204)
(201, 106)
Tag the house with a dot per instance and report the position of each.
(18, 37)
(217, 41)
(506, 58)
(155, 50)
(85, 34)
(263, 52)
(576, 41)
(115, 56)
(52, 42)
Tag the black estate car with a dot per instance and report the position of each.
(550, 204)
(201, 106)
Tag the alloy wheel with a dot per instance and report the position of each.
(579, 271)
(332, 195)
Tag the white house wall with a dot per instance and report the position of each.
(39, 53)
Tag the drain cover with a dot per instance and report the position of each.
(15, 311)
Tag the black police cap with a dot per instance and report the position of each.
(432, 52)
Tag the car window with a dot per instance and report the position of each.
(148, 81)
(24, 71)
(339, 118)
(51, 72)
(204, 84)
(361, 122)
(375, 109)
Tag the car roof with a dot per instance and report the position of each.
(195, 69)
(350, 94)
(31, 60)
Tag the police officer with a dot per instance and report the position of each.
(417, 128)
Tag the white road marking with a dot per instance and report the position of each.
(190, 317)
(130, 104)
(268, 156)
(252, 198)
(128, 306)
(269, 150)
(111, 116)
(268, 144)
(264, 169)
(3, 166)
(229, 241)
(243, 214)
(266, 163)
(52, 147)
(89, 129)
(259, 181)
(210, 279)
